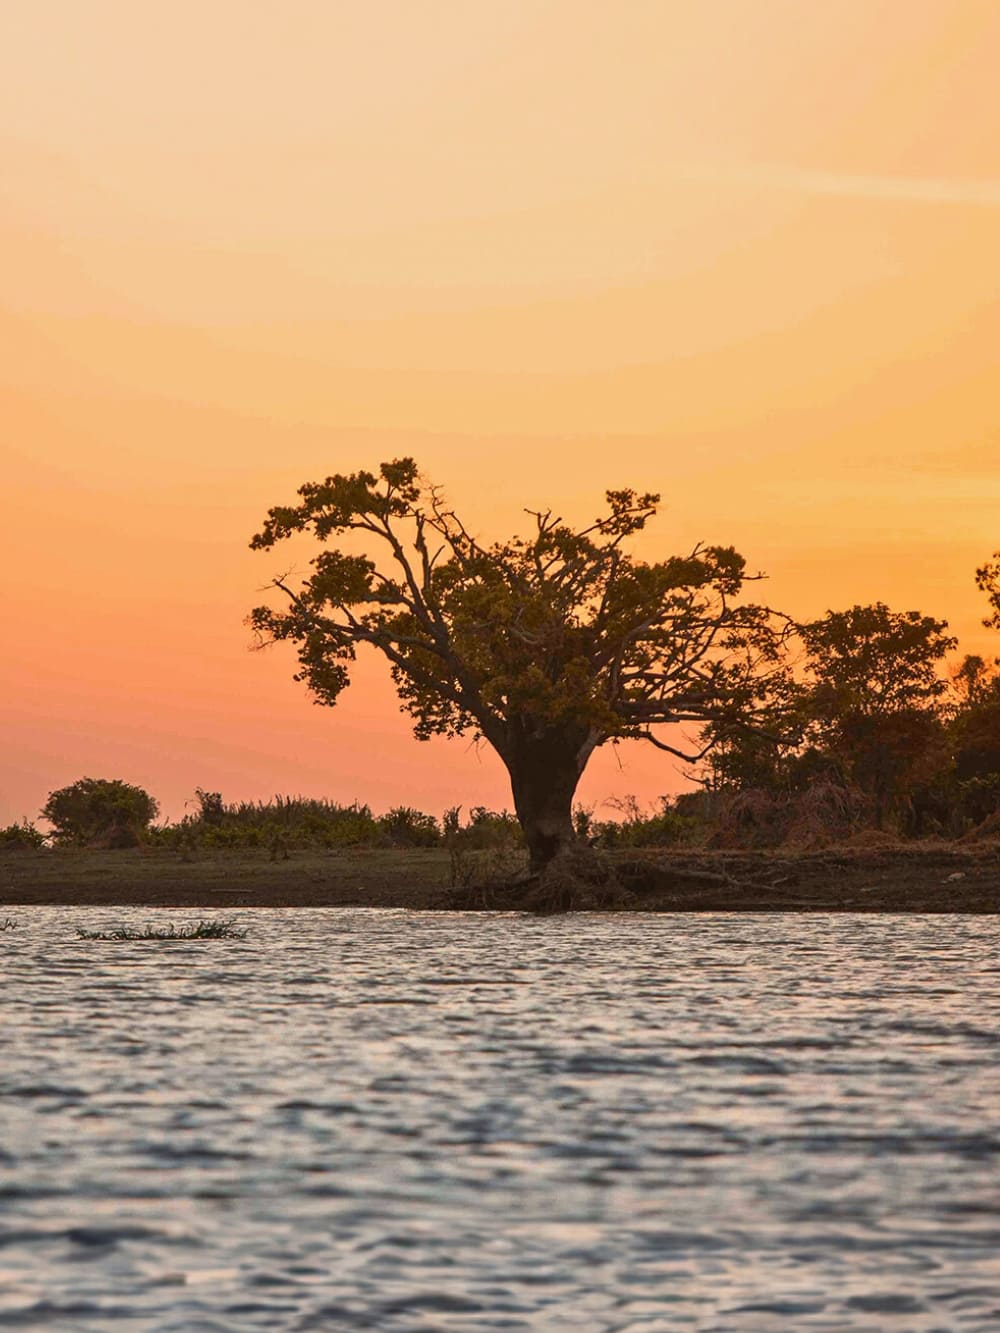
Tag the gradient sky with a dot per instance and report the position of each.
(744, 252)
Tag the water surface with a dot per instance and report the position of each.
(402, 1121)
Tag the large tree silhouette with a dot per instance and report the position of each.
(546, 646)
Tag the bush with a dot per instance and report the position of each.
(211, 809)
(824, 813)
(663, 827)
(284, 822)
(405, 827)
(485, 848)
(492, 829)
(97, 812)
(23, 837)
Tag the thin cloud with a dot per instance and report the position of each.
(907, 189)
(980, 459)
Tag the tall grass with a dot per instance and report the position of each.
(287, 823)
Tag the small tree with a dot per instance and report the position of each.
(874, 661)
(975, 681)
(975, 721)
(546, 646)
(874, 701)
(211, 807)
(100, 812)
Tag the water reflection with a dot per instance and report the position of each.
(383, 1120)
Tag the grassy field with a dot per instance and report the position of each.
(908, 877)
(355, 877)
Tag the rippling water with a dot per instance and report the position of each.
(385, 1120)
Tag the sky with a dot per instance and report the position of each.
(740, 252)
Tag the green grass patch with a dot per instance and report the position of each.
(198, 930)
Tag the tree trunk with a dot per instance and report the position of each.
(544, 772)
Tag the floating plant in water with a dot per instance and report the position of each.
(200, 930)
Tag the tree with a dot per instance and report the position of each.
(875, 694)
(546, 646)
(211, 807)
(975, 681)
(874, 661)
(98, 811)
(988, 580)
(975, 723)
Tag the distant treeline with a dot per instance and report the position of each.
(108, 814)
(885, 741)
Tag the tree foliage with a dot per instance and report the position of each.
(873, 662)
(547, 645)
(21, 837)
(99, 812)
(871, 713)
(874, 702)
(988, 580)
(975, 720)
(975, 681)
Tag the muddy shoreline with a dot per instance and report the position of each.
(916, 877)
(901, 879)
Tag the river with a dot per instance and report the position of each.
(412, 1121)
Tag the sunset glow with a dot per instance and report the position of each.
(742, 252)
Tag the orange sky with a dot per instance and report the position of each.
(744, 252)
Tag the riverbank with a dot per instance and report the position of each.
(358, 877)
(909, 877)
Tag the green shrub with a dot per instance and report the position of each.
(98, 812)
(492, 829)
(211, 809)
(663, 827)
(406, 827)
(23, 837)
(487, 846)
(287, 821)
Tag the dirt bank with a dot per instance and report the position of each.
(914, 877)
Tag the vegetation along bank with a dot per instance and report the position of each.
(850, 761)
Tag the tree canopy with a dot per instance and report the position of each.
(873, 662)
(874, 702)
(870, 704)
(547, 646)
